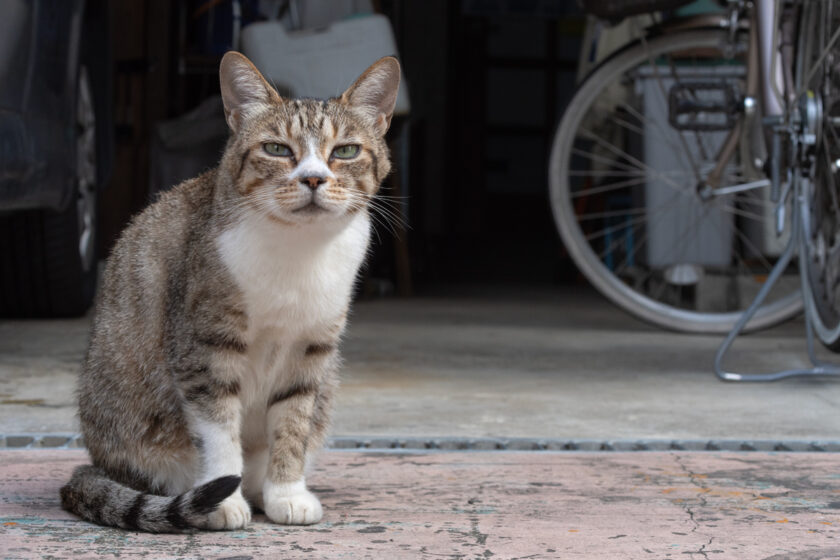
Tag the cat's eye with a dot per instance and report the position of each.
(347, 151)
(275, 149)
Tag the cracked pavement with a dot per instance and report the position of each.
(780, 506)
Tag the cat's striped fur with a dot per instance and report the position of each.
(213, 355)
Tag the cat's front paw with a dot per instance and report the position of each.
(291, 504)
(233, 513)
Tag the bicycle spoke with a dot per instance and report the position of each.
(641, 218)
(751, 246)
(593, 174)
(601, 159)
(656, 212)
(651, 125)
(612, 213)
(641, 243)
(616, 242)
(686, 152)
(740, 212)
(609, 187)
(804, 87)
(628, 126)
(642, 165)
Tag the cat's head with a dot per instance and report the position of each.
(301, 161)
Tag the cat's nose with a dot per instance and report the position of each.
(313, 181)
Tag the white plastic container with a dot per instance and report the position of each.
(323, 62)
(670, 191)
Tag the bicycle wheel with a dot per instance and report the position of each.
(817, 80)
(639, 136)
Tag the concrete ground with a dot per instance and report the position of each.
(550, 367)
(562, 364)
(480, 505)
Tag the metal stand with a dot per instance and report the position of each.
(819, 368)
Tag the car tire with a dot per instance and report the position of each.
(49, 257)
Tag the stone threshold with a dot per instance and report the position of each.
(389, 443)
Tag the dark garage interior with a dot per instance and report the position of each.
(488, 81)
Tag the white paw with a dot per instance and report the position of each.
(232, 513)
(291, 504)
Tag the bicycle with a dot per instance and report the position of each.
(692, 164)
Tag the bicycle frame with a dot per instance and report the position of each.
(762, 28)
(765, 75)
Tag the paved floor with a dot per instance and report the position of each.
(550, 364)
(535, 364)
(481, 505)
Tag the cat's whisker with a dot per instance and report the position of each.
(378, 237)
(378, 198)
(395, 214)
(391, 197)
(390, 214)
(381, 212)
(255, 204)
(378, 212)
(385, 219)
(384, 222)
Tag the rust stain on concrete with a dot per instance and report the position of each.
(27, 402)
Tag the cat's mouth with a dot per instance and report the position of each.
(311, 207)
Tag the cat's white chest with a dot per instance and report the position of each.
(296, 285)
(294, 279)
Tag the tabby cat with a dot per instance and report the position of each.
(213, 355)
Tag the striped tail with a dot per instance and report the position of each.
(93, 496)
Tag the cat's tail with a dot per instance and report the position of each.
(93, 496)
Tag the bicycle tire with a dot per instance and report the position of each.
(562, 201)
(820, 243)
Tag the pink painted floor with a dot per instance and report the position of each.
(479, 505)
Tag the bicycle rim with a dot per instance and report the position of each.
(637, 228)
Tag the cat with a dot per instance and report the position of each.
(214, 349)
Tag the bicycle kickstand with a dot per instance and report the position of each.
(818, 367)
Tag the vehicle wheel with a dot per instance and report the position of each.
(624, 187)
(820, 111)
(49, 257)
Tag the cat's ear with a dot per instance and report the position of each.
(244, 90)
(375, 92)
